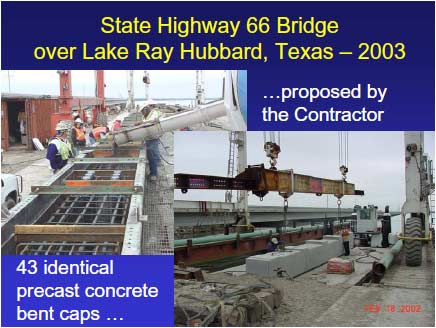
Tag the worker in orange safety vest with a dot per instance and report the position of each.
(346, 241)
(98, 133)
(78, 134)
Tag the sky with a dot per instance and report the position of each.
(376, 164)
(164, 84)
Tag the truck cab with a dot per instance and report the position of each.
(12, 187)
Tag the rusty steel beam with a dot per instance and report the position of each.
(196, 254)
(260, 181)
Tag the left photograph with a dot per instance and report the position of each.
(87, 156)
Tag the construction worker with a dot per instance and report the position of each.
(346, 241)
(117, 125)
(59, 149)
(75, 114)
(152, 115)
(98, 133)
(273, 245)
(78, 133)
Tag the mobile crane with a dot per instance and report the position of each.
(415, 212)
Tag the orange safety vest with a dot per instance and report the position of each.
(345, 235)
(80, 134)
(116, 126)
(97, 131)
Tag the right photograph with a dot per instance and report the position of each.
(304, 228)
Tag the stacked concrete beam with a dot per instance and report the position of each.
(296, 263)
(313, 254)
(296, 259)
(338, 237)
(339, 250)
(329, 247)
(268, 264)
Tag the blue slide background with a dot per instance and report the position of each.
(408, 106)
(128, 271)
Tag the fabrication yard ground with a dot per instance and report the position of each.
(31, 165)
(320, 299)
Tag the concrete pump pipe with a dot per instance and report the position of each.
(149, 131)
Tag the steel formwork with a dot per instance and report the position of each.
(87, 209)
(87, 193)
(65, 248)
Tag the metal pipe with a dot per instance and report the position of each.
(219, 238)
(380, 267)
(233, 236)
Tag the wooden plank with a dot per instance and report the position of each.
(188, 273)
(92, 189)
(65, 229)
(182, 275)
(74, 237)
(110, 171)
(86, 183)
(69, 233)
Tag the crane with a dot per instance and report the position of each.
(96, 115)
(415, 212)
(130, 91)
(231, 163)
(238, 154)
(199, 88)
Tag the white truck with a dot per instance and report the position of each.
(12, 187)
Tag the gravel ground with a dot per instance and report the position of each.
(17, 159)
(304, 298)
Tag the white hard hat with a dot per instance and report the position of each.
(78, 120)
(274, 240)
(75, 113)
(61, 126)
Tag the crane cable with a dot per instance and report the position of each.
(343, 153)
(271, 147)
(343, 165)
